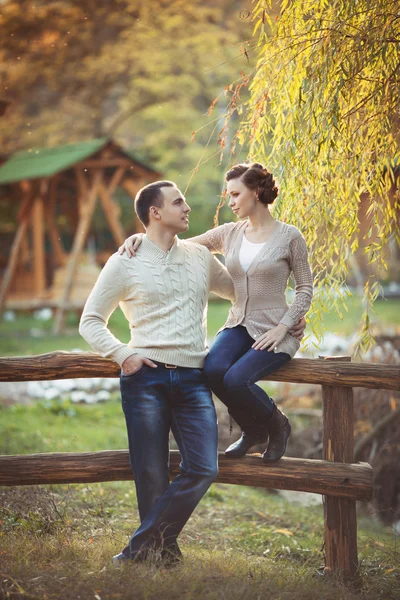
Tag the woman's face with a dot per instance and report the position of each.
(242, 200)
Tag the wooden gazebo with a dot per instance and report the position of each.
(69, 179)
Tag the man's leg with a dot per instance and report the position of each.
(194, 425)
(148, 419)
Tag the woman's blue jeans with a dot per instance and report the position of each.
(154, 402)
(232, 368)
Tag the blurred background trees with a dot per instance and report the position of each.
(143, 73)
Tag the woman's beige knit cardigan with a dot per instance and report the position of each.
(261, 292)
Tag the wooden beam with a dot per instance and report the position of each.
(132, 187)
(87, 211)
(52, 227)
(70, 365)
(101, 163)
(25, 254)
(115, 180)
(83, 192)
(39, 262)
(316, 476)
(340, 513)
(24, 212)
(133, 167)
(112, 211)
(82, 185)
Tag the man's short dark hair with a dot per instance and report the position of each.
(150, 195)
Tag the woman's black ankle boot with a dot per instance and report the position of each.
(253, 433)
(279, 430)
(243, 445)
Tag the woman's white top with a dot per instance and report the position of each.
(248, 252)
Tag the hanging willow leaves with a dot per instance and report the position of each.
(323, 116)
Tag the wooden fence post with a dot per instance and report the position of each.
(338, 443)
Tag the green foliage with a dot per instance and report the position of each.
(323, 115)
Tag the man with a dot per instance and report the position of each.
(163, 294)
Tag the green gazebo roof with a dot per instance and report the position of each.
(44, 162)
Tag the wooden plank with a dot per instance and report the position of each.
(82, 186)
(115, 180)
(52, 227)
(132, 187)
(340, 513)
(15, 250)
(39, 264)
(70, 365)
(102, 163)
(317, 476)
(128, 163)
(111, 211)
(79, 241)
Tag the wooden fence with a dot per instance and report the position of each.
(337, 478)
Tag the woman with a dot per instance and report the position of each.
(256, 340)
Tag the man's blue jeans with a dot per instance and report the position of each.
(232, 368)
(156, 401)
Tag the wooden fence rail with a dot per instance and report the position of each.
(72, 365)
(337, 478)
(350, 481)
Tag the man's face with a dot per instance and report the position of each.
(174, 215)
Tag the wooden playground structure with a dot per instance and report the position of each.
(68, 181)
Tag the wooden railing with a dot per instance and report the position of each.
(337, 478)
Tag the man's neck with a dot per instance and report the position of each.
(163, 239)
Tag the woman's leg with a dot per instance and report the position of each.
(240, 386)
(228, 347)
(240, 381)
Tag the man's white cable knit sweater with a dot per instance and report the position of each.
(164, 297)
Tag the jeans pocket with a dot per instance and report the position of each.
(133, 375)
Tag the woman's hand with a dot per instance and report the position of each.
(131, 244)
(269, 341)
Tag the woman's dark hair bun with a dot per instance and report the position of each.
(256, 177)
(267, 189)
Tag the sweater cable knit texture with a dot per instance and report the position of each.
(163, 296)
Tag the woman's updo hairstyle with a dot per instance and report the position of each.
(256, 178)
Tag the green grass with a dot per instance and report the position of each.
(27, 335)
(60, 426)
(241, 543)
